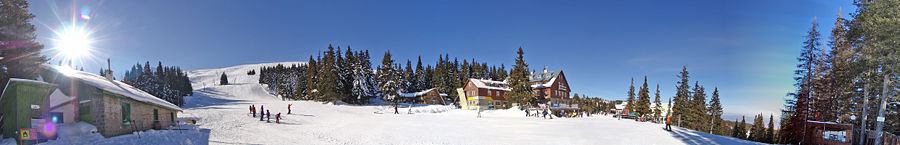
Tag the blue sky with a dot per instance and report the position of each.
(745, 48)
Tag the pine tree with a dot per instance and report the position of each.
(22, 55)
(741, 129)
(630, 101)
(388, 79)
(657, 108)
(770, 131)
(311, 80)
(798, 107)
(223, 80)
(328, 78)
(519, 81)
(420, 75)
(699, 119)
(758, 130)
(682, 97)
(642, 106)
(715, 110)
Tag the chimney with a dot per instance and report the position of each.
(109, 73)
(545, 69)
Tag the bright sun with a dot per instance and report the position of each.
(73, 43)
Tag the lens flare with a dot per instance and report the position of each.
(85, 13)
(72, 44)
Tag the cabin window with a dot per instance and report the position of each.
(155, 115)
(172, 116)
(126, 113)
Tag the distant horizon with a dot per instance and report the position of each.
(745, 48)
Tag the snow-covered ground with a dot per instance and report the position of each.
(224, 111)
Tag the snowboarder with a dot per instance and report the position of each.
(289, 108)
(268, 116)
(669, 123)
(395, 110)
(278, 118)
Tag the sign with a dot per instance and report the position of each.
(880, 119)
(28, 134)
(35, 107)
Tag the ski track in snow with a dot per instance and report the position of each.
(224, 109)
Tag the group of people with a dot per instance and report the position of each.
(538, 113)
(265, 114)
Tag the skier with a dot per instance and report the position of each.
(278, 118)
(261, 113)
(268, 115)
(669, 123)
(545, 113)
(252, 111)
(289, 108)
(395, 110)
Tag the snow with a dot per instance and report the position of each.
(414, 94)
(111, 86)
(481, 83)
(224, 111)
(544, 85)
(223, 117)
(83, 133)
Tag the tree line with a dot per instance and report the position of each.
(169, 83)
(851, 77)
(349, 77)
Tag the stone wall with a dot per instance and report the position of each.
(141, 114)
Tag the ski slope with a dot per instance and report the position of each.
(224, 110)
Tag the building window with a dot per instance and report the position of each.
(126, 113)
(155, 114)
(172, 116)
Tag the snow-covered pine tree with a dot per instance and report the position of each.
(420, 75)
(388, 79)
(408, 78)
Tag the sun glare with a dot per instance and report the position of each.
(73, 43)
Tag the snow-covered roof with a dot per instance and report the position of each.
(490, 84)
(414, 94)
(543, 76)
(544, 85)
(112, 86)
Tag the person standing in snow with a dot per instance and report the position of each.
(395, 110)
(410, 109)
(278, 118)
(669, 123)
(289, 108)
(261, 114)
(545, 113)
(252, 111)
(268, 116)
